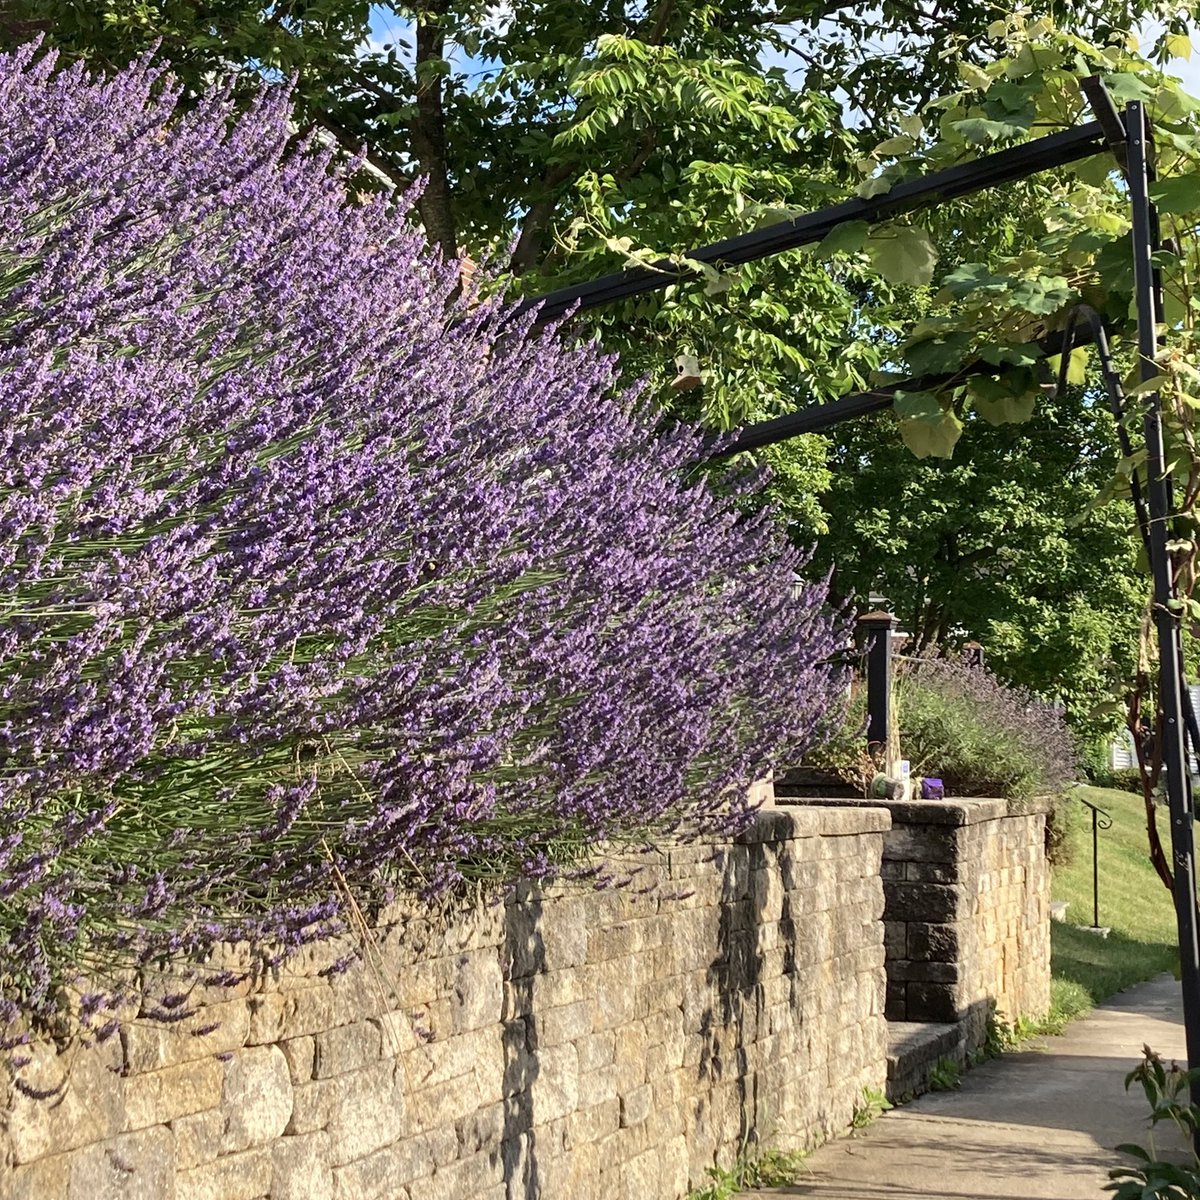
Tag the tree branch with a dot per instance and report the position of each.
(528, 249)
(358, 147)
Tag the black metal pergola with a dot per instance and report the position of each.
(1128, 137)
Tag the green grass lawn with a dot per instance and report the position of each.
(1133, 903)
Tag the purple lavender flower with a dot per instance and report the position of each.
(316, 581)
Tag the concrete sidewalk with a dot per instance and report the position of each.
(1034, 1125)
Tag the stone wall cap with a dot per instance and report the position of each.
(835, 819)
(954, 811)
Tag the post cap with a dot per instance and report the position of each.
(878, 617)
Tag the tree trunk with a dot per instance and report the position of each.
(428, 131)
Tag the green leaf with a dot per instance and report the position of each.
(903, 254)
(1178, 45)
(877, 185)
(918, 406)
(1000, 402)
(940, 353)
(1000, 355)
(936, 438)
(1125, 87)
(1179, 194)
(1044, 295)
(847, 238)
(901, 144)
(973, 76)
(1076, 367)
(974, 277)
(979, 130)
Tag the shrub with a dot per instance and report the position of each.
(320, 581)
(983, 737)
(1121, 779)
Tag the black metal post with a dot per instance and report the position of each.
(1179, 792)
(879, 628)
(1095, 870)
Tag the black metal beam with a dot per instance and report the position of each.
(817, 417)
(1148, 296)
(950, 183)
(1100, 101)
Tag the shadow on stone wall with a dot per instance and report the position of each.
(736, 976)
(524, 953)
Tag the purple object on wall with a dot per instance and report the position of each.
(932, 789)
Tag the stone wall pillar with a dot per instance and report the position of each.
(967, 913)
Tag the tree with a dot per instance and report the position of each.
(989, 546)
(578, 132)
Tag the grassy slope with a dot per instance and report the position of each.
(1087, 968)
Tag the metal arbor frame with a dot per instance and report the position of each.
(1128, 136)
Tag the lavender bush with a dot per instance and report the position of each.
(984, 737)
(319, 580)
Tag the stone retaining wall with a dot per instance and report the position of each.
(568, 1044)
(967, 913)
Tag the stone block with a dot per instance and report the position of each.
(928, 902)
(300, 1055)
(134, 1166)
(380, 1174)
(245, 1176)
(90, 1107)
(157, 1097)
(478, 991)
(366, 1110)
(932, 972)
(849, 823)
(593, 1123)
(440, 1106)
(921, 843)
(767, 894)
(278, 1016)
(257, 1098)
(300, 1168)
(481, 1130)
(198, 1138)
(770, 825)
(554, 1090)
(934, 942)
(642, 1175)
(558, 1025)
(636, 1106)
(542, 936)
(613, 992)
(465, 1179)
(622, 940)
(45, 1179)
(596, 1087)
(152, 1045)
(345, 1048)
(932, 1001)
(431, 1063)
(936, 872)
(596, 1050)
(443, 1145)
